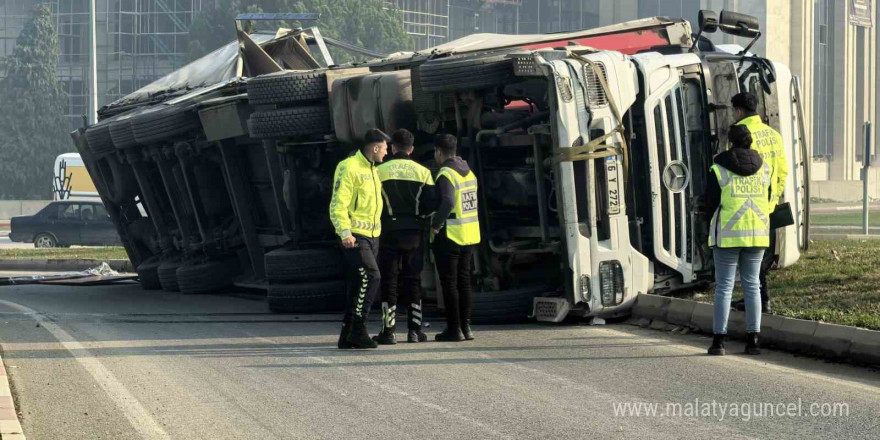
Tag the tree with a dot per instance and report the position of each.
(33, 128)
(371, 24)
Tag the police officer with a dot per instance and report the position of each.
(407, 189)
(738, 195)
(355, 210)
(768, 143)
(456, 229)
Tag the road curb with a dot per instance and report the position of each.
(63, 265)
(838, 342)
(10, 427)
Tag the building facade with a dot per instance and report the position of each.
(138, 42)
(142, 40)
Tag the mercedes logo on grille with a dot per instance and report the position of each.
(676, 176)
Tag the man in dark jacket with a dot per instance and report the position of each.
(456, 231)
(407, 188)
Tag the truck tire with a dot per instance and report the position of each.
(504, 307)
(465, 73)
(323, 296)
(162, 123)
(206, 277)
(121, 184)
(123, 136)
(148, 274)
(287, 265)
(99, 139)
(287, 88)
(289, 122)
(168, 275)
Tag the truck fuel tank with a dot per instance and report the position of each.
(380, 100)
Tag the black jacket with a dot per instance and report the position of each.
(740, 161)
(407, 200)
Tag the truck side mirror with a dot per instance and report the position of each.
(741, 25)
(708, 21)
(708, 24)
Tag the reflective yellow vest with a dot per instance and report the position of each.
(769, 144)
(743, 217)
(463, 224)
(356, 205)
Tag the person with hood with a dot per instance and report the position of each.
(455, 230)
(768, 143)
(738, 195)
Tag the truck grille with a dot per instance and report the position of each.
(596, 93)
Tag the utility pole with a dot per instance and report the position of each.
(866, 169)
(93, 65)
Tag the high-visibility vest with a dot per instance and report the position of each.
(743, 217)
(463, 224)
(770, 145)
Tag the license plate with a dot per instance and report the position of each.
(611, 166)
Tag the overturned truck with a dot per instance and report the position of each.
(592, 148)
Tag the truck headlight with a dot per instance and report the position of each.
(611, 281)
(586, 289)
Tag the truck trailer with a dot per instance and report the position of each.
(592, 149)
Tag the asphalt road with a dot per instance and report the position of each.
(5, 243)
(120, 363)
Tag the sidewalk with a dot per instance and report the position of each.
(838, 207)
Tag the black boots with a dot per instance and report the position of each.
(359, 338)
(414, 323)
(466, 330)
(343, 337)
(717, 348)
(416, 336)
(389, 321)
(449, 335)
(752, 344)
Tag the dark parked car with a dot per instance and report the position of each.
(62, 224)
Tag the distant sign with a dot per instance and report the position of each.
(860, 13)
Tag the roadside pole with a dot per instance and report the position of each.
(866, 166)
(93, 65)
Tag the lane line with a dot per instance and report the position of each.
(139, 417)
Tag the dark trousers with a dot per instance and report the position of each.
(769, 257)
(454, 269)
(362, 277)
(401, 259)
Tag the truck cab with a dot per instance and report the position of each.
(633, 220)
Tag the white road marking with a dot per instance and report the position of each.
(139, 417)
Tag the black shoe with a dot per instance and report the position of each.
(386, 337)
(466, 331)
(765, 307)
(717, 348)
(449, 335)
(739, 305)
(416, 336)
(343, 337)
(752, 344)
(359, 338)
